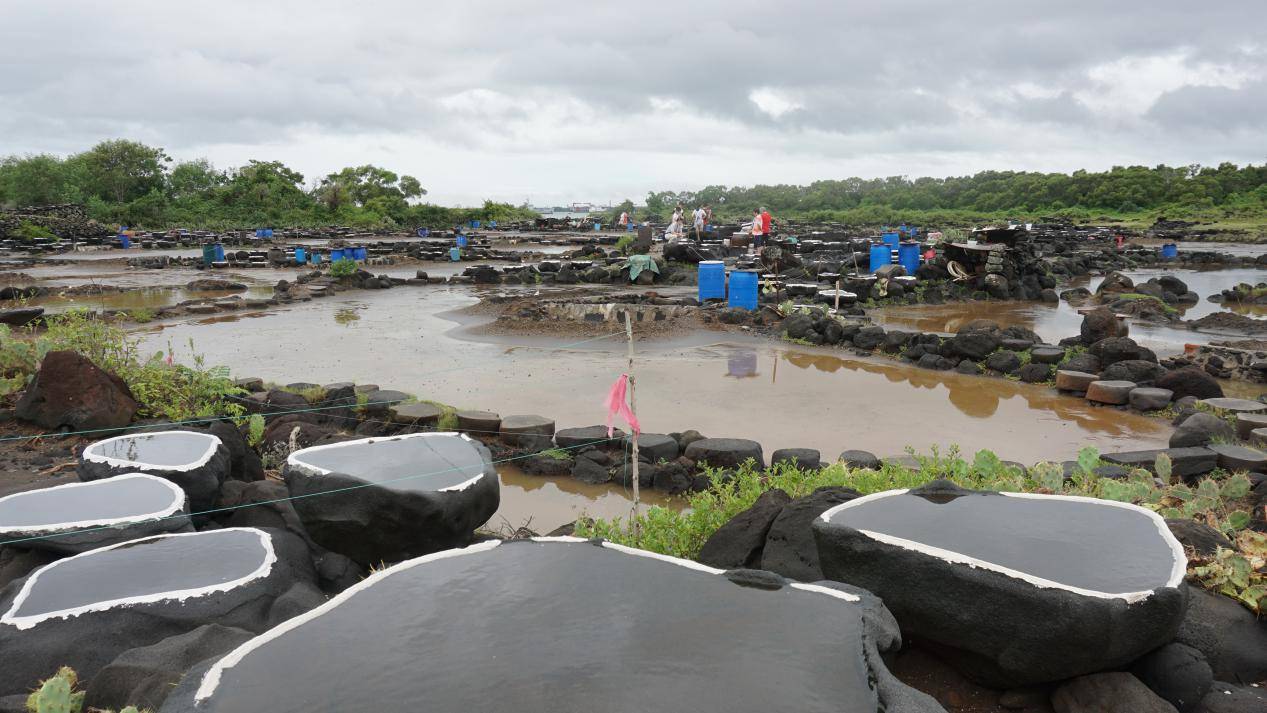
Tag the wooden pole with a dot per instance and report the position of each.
(837, 296)
(634, 410)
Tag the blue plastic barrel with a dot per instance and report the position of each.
(219, 252)
(743, 289)
(492, 224)
(299, 255)
(598, 226)
(314, 259)
(461, 241)
(336, 254)
(268, 232)
(712, 280)
(908, 256)
(1169, 251)
(423, 232)
(361, 254)
(208, 254)
(892, 240)
(881, 255)
(124, 241)
(455, 254)
(475, 224)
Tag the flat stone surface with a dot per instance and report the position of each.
(1047, 355)
(1233, 457)
(725, 452)
(416, 413)
(165, 450)
(425, 462)
(1110, 392)
(1146, 398)
(557, 616)
(1074, 380)
(655, 447)
(528, 425)
(165, 567)
(484, 422)
(595, 436)
(1248, 422)
(384, 399)
(1185, 462)
(1234, 405)
(1258, 436)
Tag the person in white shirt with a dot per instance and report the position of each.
(699, 222)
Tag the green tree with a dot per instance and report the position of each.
(121, 171)
(32, 180)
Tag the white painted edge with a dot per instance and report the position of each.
(211, 680)
(213, 443)
(1177, 571)
(309, 469)
(26, 622)
(58, 527)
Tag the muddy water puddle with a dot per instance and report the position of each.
(544, 503)
(779, 397)
(1055, 322)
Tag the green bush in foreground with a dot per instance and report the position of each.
(1220, 501)
(343, 267)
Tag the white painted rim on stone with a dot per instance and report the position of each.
(309, 469)
(177, 505)
(1177, 571)
(26, 622)
(211, 680)
(213, 443)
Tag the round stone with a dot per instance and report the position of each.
(858, 459)
(1047, 355)
(725, 452)
(655, 447)
(1246, 423)
(596, 436)
(1234, 458)
(803, 458)
(415, 414)
(1234, 405)
(1258, 436)
(1110, 392)
(1150, 399)
(516, 430)
(1076, 381)
(485, 422)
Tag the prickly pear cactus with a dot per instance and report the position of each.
(57, 694)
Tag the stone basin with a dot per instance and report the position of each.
(387, 499)
(197, 462)
(1039, 587)
(85, 610)
(81, 516)
(560, 624)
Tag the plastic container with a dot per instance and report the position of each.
(743, 289)
(891, 239)
(314, 259)
(908, 256)
(475, 224)
(598, 227)
(219, 252)
(1169, 251)
(461, 241)
(455, 254)
(712, 280)
(208, 254)
(300, 254)
(360, 254)
(492, 224)
(423, 232)
(124, 241)
(881, 255)
(336, 254)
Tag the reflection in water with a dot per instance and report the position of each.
(553, 501)
(347, 316)
(742, 363)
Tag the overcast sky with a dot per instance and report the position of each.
(597, 101)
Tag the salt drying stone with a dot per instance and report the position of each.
(387, 499)
(76, 517)
(197, 462)
(560, 624)
(1234, 405)
(85, 610)
(1039, 587)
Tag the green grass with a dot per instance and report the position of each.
(1137, 296)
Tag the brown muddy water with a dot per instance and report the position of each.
(1055, 322)
(782, 397)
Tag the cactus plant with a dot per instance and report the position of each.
(57, 694)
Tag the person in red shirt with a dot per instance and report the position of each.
(766, 226)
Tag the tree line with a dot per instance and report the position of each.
(1226, 191)
(130, 183)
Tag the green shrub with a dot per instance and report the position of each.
(29, 232)
(624, 244)
(342, 268)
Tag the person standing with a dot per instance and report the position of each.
(698, 222)
(767, 223)
(758, 230)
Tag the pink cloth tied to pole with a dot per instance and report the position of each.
(618, 404)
